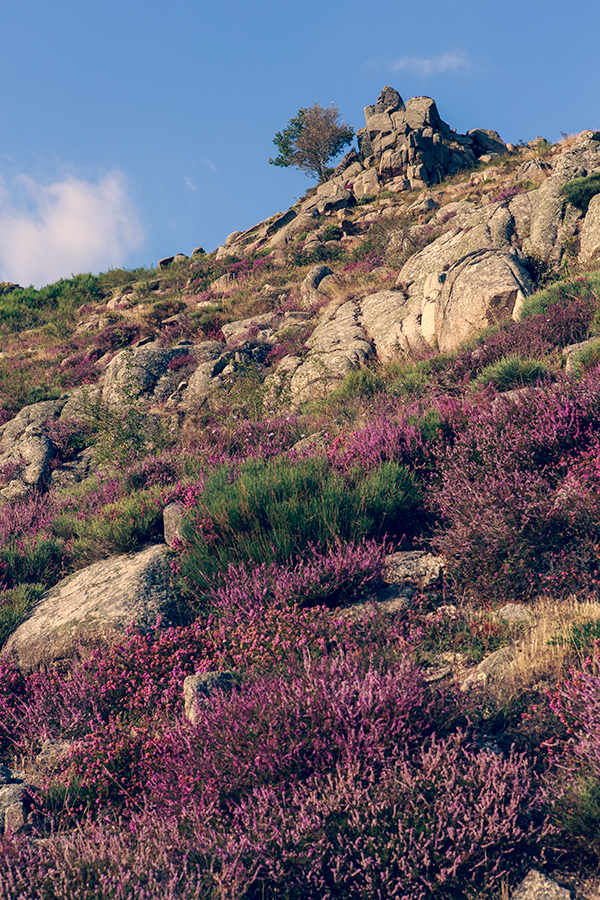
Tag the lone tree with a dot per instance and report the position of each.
(312, 138)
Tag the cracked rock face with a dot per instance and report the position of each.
(485, 288)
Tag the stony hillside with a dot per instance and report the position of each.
(298, 541)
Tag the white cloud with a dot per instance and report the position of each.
(52, 231)
(454, 61)
(208, 163)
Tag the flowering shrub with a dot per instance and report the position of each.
(319, 577)
(419, 827)
(574, 784)
(507, 194)
(181, 362)
(506, 491)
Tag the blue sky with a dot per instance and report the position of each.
(138, 129)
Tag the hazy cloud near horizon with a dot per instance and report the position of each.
(69, 226)
(452, 61)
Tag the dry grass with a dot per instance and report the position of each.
(545, 653)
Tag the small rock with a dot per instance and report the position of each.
(536, 886)
(413, 565)
(515, 612)
(489, 668)
(198, 688)
(172, 521)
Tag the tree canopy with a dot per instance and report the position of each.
(312, 139)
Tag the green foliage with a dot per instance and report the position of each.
(163, 309)
(271, 511)
(358, 383)
(312, 138)
(582, 636)
(565, 289)
(408, 379)
(449, 629)
(332, 233)
(579, 812)
(580, 191)
(122, 433)
(28, 307)
(15, 603)
(586, 358)
(39, 559)
(512, 372)
(119, 527)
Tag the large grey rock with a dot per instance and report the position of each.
(203, 382)
(328, 198)
(382, 315)
(589, 240)
(36, 414)
(95, 606)
(367, 184)
(142, 374)
(487, 141)
(337, 345)
(309, 290)
(484, 288)
(26, 450)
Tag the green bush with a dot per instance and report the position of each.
(119, 527)
(358, 383)
(271, 511)
(332, 233)
(512, 372)
(40, 558)
(580, 191)
(566, 289)
(586, 358)
(14, 606)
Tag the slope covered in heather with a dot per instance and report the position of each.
(372, 423)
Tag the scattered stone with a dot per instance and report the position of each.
(15, 802)
(417, 566)
(173, 521)
(489, 668)
(514, 612)
(536, 886)
(197, 689)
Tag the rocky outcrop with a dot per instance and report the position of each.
(144, 372)
(26, 450)
(95, 607)
(337, 345)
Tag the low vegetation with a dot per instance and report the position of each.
(345, 761)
